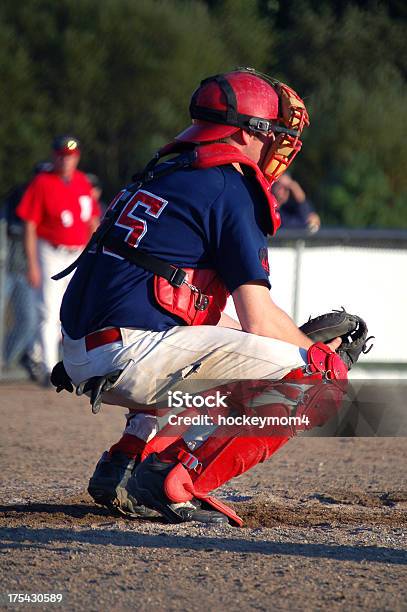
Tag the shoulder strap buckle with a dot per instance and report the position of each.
(177, 278)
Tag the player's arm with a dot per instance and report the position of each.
(31, 251)
(295, 188)
(96, 215)
(259, 315)
(94, 221)
(30, 210)
(93, 224)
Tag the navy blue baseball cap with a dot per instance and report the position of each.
(66, 145)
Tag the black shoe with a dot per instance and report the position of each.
(107, 486)
(34, 369)
(146, 487)
(45, 381)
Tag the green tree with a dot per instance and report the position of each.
(22, 122)
(120, 73)
(351, 70)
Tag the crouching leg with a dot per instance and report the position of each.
(177, 483)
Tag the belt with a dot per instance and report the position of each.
(104, 336)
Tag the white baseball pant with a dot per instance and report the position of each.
(49, 297)
(155, 362)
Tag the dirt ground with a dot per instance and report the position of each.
(325, 523)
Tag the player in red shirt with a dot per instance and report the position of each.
(59, 214)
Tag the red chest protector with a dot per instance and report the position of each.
(221, 154)
(204, 304)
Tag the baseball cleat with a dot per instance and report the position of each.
(107, 486)
(146, 487)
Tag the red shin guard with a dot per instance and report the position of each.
(221, 458)
(214, 463)
(178, 487)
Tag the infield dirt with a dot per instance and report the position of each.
(325, 523)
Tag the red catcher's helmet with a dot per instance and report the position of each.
(249, 100)
(225, 103)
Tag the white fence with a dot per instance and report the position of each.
(366, 272)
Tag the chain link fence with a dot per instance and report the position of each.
(18, 313)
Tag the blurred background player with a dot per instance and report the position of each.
(97, 191)
(19, 344)
(296, 211)
(59, 214)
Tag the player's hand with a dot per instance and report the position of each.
(335, 343)
(313, 222)
(34, 276)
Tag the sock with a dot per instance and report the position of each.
(129, 445)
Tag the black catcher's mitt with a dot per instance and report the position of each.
(351, 328)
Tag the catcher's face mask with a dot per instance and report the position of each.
(293, 117)
(252, 101)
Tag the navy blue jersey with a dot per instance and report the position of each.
(207, 218)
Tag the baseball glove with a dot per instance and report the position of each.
(351, 328)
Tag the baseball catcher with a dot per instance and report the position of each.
(143, 313)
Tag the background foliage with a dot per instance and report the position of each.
(119, 74)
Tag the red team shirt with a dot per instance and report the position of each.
(60, 210)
